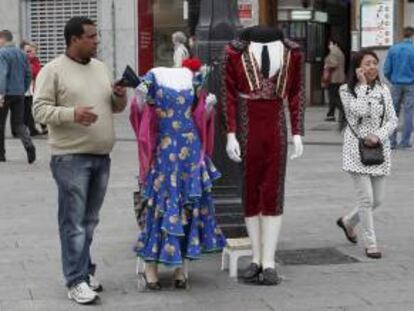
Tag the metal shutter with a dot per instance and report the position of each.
(47, 20)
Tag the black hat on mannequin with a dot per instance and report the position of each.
(263, 34)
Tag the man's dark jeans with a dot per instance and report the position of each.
(81, 180)
(16, 105)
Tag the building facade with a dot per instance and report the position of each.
(138, 32)
(42, 21)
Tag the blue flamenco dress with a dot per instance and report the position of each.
(180, 219)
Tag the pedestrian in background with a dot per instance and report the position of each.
(370, 116)
(75, 97)
(180, 50)
(30, 49)
(399, 70)
(333, 77)
(15, 78)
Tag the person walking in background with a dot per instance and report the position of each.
(30, 50)
(399, 70)
(371, 117)
(180, 50)
(75, 98)
(15, 77)
(333, 77)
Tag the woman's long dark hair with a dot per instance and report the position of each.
(355, 64)
(352, 80)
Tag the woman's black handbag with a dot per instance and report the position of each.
(370, 155)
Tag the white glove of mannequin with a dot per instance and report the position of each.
(233, 148)
(141, 93)
(298, 147)
(1, 100)
(211, 101)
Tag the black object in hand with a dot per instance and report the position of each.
(129, 78)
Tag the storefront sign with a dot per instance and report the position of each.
(248, 12)
(377, 23)
(145, 36)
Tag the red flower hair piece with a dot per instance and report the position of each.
(194, 64)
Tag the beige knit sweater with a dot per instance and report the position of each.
(63, 84)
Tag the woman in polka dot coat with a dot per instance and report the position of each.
(369, 111)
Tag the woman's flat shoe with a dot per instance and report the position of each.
(154, 286)
(352, 239)
(374, 254)
(181, 284)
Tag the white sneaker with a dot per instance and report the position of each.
(94, 284)
(82, 294)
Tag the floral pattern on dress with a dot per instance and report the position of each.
(180, 220)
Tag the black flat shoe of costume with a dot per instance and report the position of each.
(352, 239)
(252, 273)
(181, 284)
(271, 277)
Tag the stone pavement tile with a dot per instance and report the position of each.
(14, 292)
(21, 305)
(12, 271)
(316, 301)
(47, 292)
(46, 269)
(144, 300)
(64, 305)
(243, 305)
(397, 306)
(384, 293)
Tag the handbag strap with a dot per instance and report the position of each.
(382, 117)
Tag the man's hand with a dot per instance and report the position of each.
(85, 116)
(1, 100)
(118, 90)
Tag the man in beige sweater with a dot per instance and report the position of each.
(75, 97)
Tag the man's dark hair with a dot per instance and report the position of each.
(408, 32)
(74, 27)
(23, 44)
(6, 34)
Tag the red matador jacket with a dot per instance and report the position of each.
(242, 79)
(252, 106)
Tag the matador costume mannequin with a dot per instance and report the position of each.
(260, 71)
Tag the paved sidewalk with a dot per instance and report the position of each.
(317, 193)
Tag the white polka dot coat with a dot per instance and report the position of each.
(364, 113)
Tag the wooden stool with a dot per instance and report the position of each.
(235, 249)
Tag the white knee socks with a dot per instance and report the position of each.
(264, 234)
(271, 226)
(253, 229)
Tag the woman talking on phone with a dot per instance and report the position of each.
(369, 121)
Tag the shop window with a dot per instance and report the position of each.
(47, 19)
(168, 18)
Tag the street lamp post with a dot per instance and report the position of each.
(218, 24)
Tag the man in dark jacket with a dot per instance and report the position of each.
(15, 78)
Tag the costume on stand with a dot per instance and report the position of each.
(175, 141)
(261, 70)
